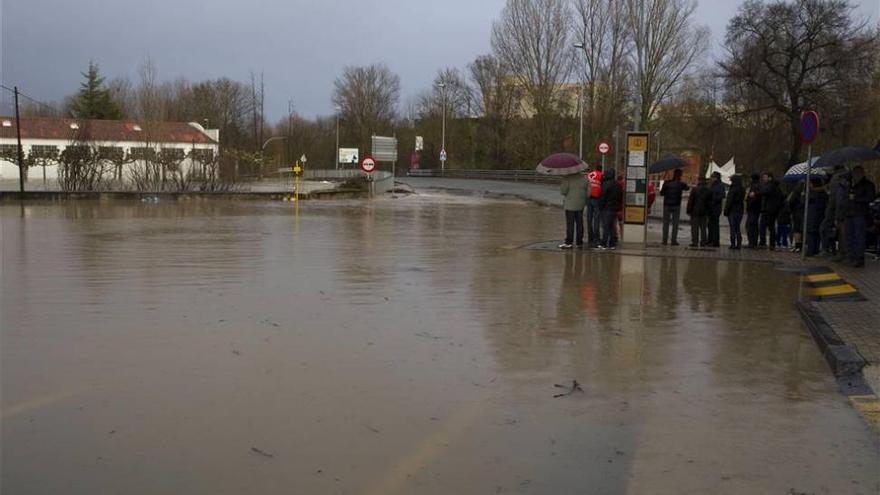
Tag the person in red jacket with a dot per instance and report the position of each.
(594, 177)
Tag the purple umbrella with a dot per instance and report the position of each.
(561, 164)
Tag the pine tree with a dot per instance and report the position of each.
(93, 101)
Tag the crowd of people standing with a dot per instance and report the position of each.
(838, 212)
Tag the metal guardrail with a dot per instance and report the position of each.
(514, 175)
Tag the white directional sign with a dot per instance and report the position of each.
(420, 143)
(443, 155)
(302, 159)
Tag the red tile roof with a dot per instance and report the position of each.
(104, 130)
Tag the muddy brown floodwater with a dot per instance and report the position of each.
(398, 346)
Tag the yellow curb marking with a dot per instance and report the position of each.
(832, 291)
(822, 277)
(869, 407)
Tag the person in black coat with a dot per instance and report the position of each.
(672, 192)
(610, 203)
(699, 206)
(717, 205)
(815, 215)
(861, 193)
(753, 210)
(733, 210)
(772, 200)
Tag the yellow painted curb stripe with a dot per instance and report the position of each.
(833, 291)
(868, 407)
(822, 277)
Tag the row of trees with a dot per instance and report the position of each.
(638, 63)
(622, 63)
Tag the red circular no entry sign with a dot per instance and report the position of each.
(368, 164)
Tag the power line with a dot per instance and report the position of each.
(33, 100)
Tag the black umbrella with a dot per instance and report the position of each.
(666, 165)
(848, 154)
(562, 164)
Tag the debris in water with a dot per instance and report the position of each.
(575, 387)
(262, 453)
(371, 428)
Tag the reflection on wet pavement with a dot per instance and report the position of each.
(400, 346)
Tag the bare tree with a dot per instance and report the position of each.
(532, 39)
(496, 97)
(787, 57)
(367, 98)
(666, 45)
(604, 32)
(450, 89)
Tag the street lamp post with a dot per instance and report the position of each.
(582, 47)
(263, 148)
(337, 138)
(442, 86)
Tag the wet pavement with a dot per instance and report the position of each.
(399, 346)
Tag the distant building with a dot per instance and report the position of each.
(121, 143)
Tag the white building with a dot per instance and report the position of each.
(127, 142)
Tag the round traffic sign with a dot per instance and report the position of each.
(603, 147)
(368, 165)
(809, 127)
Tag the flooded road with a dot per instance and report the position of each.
(400, 346)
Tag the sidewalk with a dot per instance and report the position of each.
(854, 324)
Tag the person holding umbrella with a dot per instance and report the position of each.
(672, 192)
(861, 193)
(574, 189)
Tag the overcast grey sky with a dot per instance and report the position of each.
(300, 45)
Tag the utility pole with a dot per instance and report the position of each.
(442, 86)
(20, 149)
(336, 165)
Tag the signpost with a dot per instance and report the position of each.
(443, 157)
(368, 164)
(636, 190)
(603, 148)
(349, 155)
(297, 169)
(420, 143)
(809, 133)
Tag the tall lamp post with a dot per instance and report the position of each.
(263, 148)
(442, 86)
(583, 47)
(336, 165)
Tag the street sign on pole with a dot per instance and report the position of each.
(809, 133)
(443, 155)
(603, 148)
(368, 164)
(420, 143)
(809, 127)
(384, 149)
(303, 159)
(348, 155)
